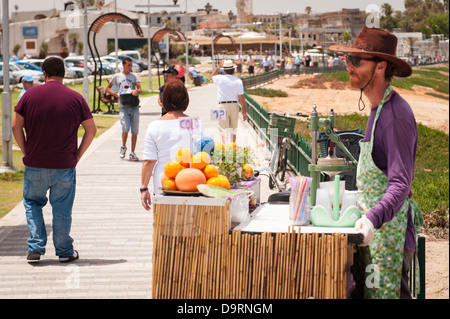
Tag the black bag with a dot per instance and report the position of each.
(129, 100)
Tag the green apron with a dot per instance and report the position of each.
(383, 277)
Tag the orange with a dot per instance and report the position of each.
(183, 156)
(200, 160)
(163, 178)
(215, 181)
(172, 168)
(169, 185)
(211, 171)
(225, 181)
(247, 171)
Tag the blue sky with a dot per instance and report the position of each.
(259, 6)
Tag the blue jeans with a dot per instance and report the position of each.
(61, 183)
(201, 76)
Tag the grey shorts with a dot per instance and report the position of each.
(129, 119)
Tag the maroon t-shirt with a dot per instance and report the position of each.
(52, 114)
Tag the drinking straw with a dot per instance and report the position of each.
(302, 194)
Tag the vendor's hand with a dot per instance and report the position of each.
(146, 200)
(365, 226)
(134, 92)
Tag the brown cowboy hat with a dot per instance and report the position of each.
(378, 43)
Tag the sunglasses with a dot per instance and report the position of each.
(356, 61)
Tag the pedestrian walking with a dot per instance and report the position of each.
(385, 171)
(45, 128)
(181, 69)
(230, 93)
(27, 82)
(128, 86)
(239, 62)
(251, 65)
(169, 74)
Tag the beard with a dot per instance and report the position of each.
(355, 81)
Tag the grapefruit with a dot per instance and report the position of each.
(188, 179)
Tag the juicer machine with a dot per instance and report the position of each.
(332, 166)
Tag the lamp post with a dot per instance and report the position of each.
(148, 6)
(7, 163)
(208, 9)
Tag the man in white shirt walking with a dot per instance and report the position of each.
(230, 93)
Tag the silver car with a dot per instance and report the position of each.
(18, 71)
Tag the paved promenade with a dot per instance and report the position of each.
(111, 230)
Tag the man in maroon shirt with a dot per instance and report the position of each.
(386, 170)
(45, 128)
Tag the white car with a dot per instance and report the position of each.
(74, 72)
(19, 72)
(112, 60)
(37, 62)
(78, 61)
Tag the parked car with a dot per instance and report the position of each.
(105, 66)
(29, 66)
(78, 61)
(131, 53)
(36, 62)
(134, 56)
(112, 60)
(20, 72)
(74, 72)
(12, 78)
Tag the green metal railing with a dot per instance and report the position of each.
(299, 155)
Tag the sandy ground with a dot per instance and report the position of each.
(430, 111)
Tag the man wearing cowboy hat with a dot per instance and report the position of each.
(230, 93)
(385, 172)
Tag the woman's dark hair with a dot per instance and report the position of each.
(54, 66)
(228, 71)
(175, 96)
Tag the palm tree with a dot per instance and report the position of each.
(308, 10)
(387, 10)
(346, 37)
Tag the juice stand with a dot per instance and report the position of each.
(198, 254)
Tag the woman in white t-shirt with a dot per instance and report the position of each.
(165, 137)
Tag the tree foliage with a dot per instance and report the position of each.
(426, 16)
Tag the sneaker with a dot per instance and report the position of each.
(133, 157)
(33, 256)
(66, 259)
(123, 150)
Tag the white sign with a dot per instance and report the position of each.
(189, 123)
(218, 115)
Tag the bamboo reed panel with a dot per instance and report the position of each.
(196, 256)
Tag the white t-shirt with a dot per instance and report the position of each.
(125, 82)
(162, 140)
(229, 87)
